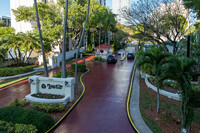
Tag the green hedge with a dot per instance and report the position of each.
(59, 74)
(16, 128)
(10, 71)
(20, 103)
(81, 67)
(98, 59)
(26, 116)
(49, 107)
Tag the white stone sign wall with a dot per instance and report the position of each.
(58, 86)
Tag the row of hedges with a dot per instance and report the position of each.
(49, 107)
(17, 128)
(28, 117)
(81, 67)
(10, 71)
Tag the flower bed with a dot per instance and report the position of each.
(47, 96)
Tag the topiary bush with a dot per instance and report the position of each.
(10, 71)
(26, 116)
(81, 67)
(16, 128)
(49, 107)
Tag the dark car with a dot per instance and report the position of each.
(111, 59)
(130, 55)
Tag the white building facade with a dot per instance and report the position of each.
(22, 26)
(117, 5)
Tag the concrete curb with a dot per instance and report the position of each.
(72, 107)
(170, 95)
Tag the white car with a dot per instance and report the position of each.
(121, 51)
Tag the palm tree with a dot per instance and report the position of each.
(153, 59)
(30, 44)
(181, 70)
(64, 45)
(41, 41)
(82, 34)
(13, 42)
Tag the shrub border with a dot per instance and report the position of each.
(72, 107)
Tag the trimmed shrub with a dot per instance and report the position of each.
(81, 67)
(10, 71)
(58, 75)
(49, 107)
(98, 59)
(26, 116)
(20, 103)
(16, 128)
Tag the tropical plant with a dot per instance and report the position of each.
(13, 42)
(181, 70)
(153, 59)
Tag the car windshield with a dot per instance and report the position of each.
(130, 53)
(110, 56)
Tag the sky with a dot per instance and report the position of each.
(5, 6)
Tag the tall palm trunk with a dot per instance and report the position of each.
(64, 39)
(82, 34)
(41, 42)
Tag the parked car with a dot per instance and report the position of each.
(121, 51)
(130, 55)
(111, 59)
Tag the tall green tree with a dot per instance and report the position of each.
(180, 69)
(159, 22)
(193, 4)
(153, 59)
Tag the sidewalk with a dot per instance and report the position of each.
(134, 106)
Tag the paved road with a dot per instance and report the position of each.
(103, 107)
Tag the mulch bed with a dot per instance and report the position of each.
(168, 121)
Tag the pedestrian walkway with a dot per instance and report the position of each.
(134, 106)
